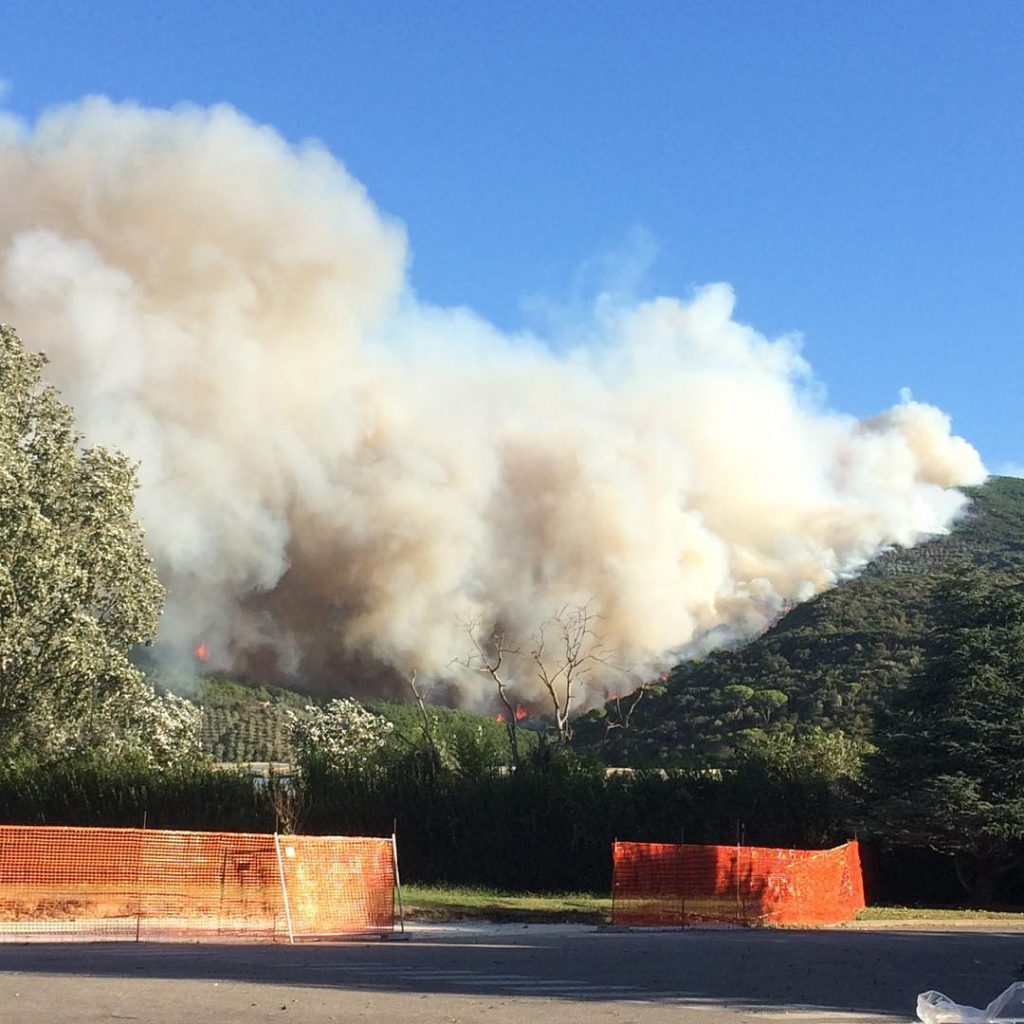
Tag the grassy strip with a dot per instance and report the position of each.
(453, 903)
(936, 914)
(449, 903)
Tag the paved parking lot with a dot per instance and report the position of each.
(513, 973)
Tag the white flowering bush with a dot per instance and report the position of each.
(342, 733)
(164, 728)
(129, 717)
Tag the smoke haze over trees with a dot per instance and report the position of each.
(335, 474)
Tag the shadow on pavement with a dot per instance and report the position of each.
(877, 973)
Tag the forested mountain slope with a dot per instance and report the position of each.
(824, 665)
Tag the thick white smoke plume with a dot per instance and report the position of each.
(336, 478)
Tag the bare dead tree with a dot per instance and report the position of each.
(426, 726)
(490, 658)
(624, 705)
(289, 798)
(565, 651)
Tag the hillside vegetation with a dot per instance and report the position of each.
(242, 722)
(825, 665)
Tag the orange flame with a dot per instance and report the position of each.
(202, 652)
(499, 717)
(521, 713)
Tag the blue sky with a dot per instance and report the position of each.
(854, 170)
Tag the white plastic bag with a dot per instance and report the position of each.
(1008, 1007)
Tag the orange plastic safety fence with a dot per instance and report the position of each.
(338, 886)
(664, 884)
(136, 884)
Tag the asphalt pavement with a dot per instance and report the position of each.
(506, 974)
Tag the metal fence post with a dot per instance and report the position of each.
(138, 878)
(682, 878)
(739, 904)
(284, 889)
(398, 884)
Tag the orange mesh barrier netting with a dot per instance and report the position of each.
(121, 883)
(670, 884)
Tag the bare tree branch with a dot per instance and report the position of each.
(580, 651)
(561, 655)
(427, 725)
(626, 713)
(489, 659)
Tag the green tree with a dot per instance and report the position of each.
(795, 787)
(767, 702)
(949, 769)
(77, 588)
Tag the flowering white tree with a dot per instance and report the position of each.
(343, 733)
(77, 589)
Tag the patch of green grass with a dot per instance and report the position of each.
(935, 914)
(456, 902)
(453, 903)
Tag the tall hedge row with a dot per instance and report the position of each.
(545, 828)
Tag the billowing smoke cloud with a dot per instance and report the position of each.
(336, 478)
